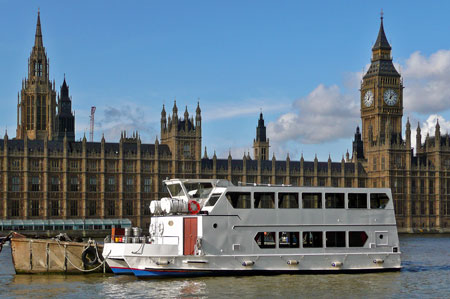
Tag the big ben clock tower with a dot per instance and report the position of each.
(381, 96)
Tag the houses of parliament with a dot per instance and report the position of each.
(46, 174)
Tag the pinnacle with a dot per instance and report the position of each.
(38, 36)
(382, 42)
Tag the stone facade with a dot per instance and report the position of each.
(45, 174)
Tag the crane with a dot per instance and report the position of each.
(91, 133)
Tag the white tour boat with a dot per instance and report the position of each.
(212, 227)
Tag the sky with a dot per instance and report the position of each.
(299, 62)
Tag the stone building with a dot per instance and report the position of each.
(46, 174)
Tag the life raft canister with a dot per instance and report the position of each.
(193, 207)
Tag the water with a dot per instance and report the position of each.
(426, 273)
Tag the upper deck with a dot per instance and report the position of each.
(287, 204)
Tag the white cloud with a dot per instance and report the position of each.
(247, 107)
(328, 113)
(429, 127)
(325, 114)
(426, 80)
(127, 117)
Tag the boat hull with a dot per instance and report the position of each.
(49, 256)
(170, 266)
(121, 271)
(113, 253)
(119, 266)
(157, 273)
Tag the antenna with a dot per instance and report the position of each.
(91, 133)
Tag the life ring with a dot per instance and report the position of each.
(89, 256)
(193, 207)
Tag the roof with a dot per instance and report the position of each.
(266, 165)
(77, 146)
(182, 125)
(280, 165)
(222, 164)
(382, 42)
(124, 222)
(382, 67)
(237, 164)
(251, 164)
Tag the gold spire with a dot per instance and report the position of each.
(38, 36)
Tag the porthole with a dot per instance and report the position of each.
(381, 237)
(170, 223)
(215, 225)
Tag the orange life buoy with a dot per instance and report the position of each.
(193, 207)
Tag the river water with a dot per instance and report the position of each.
(425, 273)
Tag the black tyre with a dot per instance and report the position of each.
(89, 256)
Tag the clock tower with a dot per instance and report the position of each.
(381, 96)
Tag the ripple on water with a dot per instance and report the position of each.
(425, 273)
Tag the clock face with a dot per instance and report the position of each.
(368, 98)
(390, 97)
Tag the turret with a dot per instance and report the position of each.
(205, 156)
(175, 113)
(358, 146)
(186, 119)
(418, 138)
(198, 116)
(186, 114)
(261, 143)
(37, 105)
(437, 131)
(65, 119)
(163, 120)
(408, 134)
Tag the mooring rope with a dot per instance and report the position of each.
(83, 270)
(5, 239)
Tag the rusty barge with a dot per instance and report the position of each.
(55, 256)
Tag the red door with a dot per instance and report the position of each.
(190, 235)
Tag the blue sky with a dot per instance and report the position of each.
(298, 61)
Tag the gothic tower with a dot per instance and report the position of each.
(65, 120)
(37, 103)
(381, 96)
(261, 143)
(184, 138)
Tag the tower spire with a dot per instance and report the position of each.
(38, 36)
(382, 42)
(261, 143)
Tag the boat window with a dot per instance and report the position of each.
(239, 200)
(357, 201)
(175, 190)
(198, 190)
(312, 239)
(288, 200)
(288, 239)
(265, 239)
(334, 200)
(212, 200)
(357, 239)
(378, 200)
(335, 239)
(264, 200)
(312, 200)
